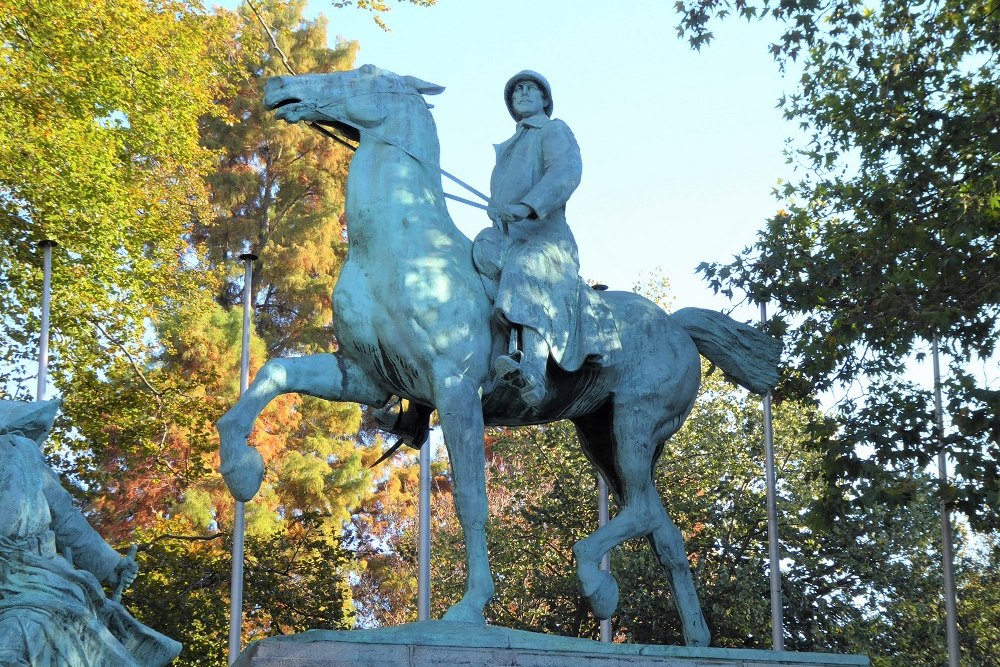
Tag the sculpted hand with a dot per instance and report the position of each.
(493, 211)
(514, 212)
(124, 573)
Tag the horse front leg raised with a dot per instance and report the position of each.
(328, 376)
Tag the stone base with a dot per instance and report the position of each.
(448, 644)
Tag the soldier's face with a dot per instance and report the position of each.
(527, 98)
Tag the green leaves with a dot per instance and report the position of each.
(889, 235)
(99, 105)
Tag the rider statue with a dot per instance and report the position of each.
(537, 286)
(529, 259)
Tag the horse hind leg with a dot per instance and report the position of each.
(668, 547)
(642, 514)
(598, 587)
(328, 376)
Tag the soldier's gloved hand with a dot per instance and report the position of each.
(493, 211)
(124, 573)
(514, 212)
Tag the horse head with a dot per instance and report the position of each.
(357, 102)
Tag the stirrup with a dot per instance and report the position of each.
(406, 419)
(511, 370)
(507, 367)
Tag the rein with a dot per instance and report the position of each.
(426, 163)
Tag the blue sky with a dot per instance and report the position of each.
(680, 149)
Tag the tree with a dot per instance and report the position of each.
(150, 114)
(383, 532)
(316, 525)
(979, 592)
(99, 152)
(888, 237)
(278, 189)
(142, 445)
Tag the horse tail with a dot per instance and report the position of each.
(747, 355)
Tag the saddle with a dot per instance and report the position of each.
(593, 337)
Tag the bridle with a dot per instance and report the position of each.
(427, 163)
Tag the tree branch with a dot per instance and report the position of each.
(131, 360)
(270, 35)
(184, 538)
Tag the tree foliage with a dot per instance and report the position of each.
(888, 236)
(278, 189)
(135, 138)
(100, 153)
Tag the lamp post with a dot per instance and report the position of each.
(947, 557)
(43, 336)
(770, 478)
(602, 519)
(239, 512)
(424, 534)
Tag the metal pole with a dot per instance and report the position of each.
(947, 558)
(777, 624)
(424, 535)
(239, 513)
(602, 519)
(43, 337)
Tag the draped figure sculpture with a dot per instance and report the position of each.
(53, 609)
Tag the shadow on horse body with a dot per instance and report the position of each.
(413, 319)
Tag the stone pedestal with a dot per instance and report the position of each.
(446, 644)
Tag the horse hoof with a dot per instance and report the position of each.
(604, 600)
(696, 632)
(243, 473)
(465, 613)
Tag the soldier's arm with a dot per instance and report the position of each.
(563, 168)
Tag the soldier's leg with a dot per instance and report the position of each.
(524, 368)
(535, 355)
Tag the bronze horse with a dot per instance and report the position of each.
(413, 319)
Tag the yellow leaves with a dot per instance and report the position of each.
(198, 508)
(262, 518)
(302, 480)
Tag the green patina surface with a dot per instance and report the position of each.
(416, 320)
(473, 636)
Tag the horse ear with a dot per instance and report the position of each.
(423, 87)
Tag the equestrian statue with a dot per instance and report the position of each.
(497, 332)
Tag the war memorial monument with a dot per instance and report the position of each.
(496, 331)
